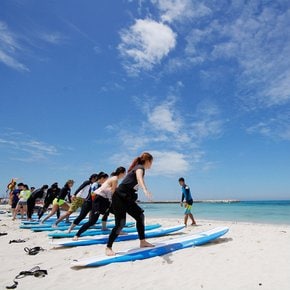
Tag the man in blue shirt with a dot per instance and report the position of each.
(186, 195)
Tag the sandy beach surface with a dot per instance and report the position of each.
(249, 256)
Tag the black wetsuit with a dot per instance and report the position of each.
(124, 201)
(87, 207)
(100, 205)
(51, 194)
(38, 193)
(64, 192)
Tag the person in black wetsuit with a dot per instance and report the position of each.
(78, 198)
(124, 201)
(87, 205)
(59, 201)
(38, 193)
(51, 194)
(102, 198)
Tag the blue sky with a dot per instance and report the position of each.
(204, 86)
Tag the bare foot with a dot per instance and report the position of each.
(75, 238)
(145, 244)
(110, 252)
(71, 228)
(194, 224)
(54, 226)
(123, 233)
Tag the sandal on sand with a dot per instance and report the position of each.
(17, 241)
(35, 271)
(33, 251)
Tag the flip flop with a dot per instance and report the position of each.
(17, 241)
(35, 271)
(33, 251)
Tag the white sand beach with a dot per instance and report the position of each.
(249, 256)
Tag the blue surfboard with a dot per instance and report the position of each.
(102, 239)
(48, 224)
(57, 234)
(36, 221)
(160, 248)
(64, 228)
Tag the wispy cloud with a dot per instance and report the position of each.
(181, 10)
(208, 122)
(19, 146)
(10, 48)
(174, 138)
(15, 46)
(277, 128)
(55, 38)
(145, 44)
(255, 38)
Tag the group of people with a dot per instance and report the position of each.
(99, 195)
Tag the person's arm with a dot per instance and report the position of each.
(182, 198)
(140, 180)
(113, 184)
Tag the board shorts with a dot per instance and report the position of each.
(188, 208)
(77, 203)
(58, 202)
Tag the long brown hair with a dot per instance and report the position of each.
(145, 156)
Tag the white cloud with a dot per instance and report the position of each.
(180, 10)
(277, 128)
(256, 40)
(52, 38)
(162, 118)
(169, 163)
(208, 122)
(278, 91)
(23, 148)
(174, 138)
(9, 49)
(145, 44)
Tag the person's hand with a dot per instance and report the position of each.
(148, 194)
(73, 198)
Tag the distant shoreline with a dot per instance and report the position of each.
(195, 201)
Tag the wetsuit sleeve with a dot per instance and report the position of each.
(83, 185)
(69, 197)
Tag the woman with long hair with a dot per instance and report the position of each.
(124, 201)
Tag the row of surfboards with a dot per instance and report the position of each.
(97, 236)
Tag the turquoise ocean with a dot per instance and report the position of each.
(267, 212)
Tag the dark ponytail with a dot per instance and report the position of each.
(118, 171)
